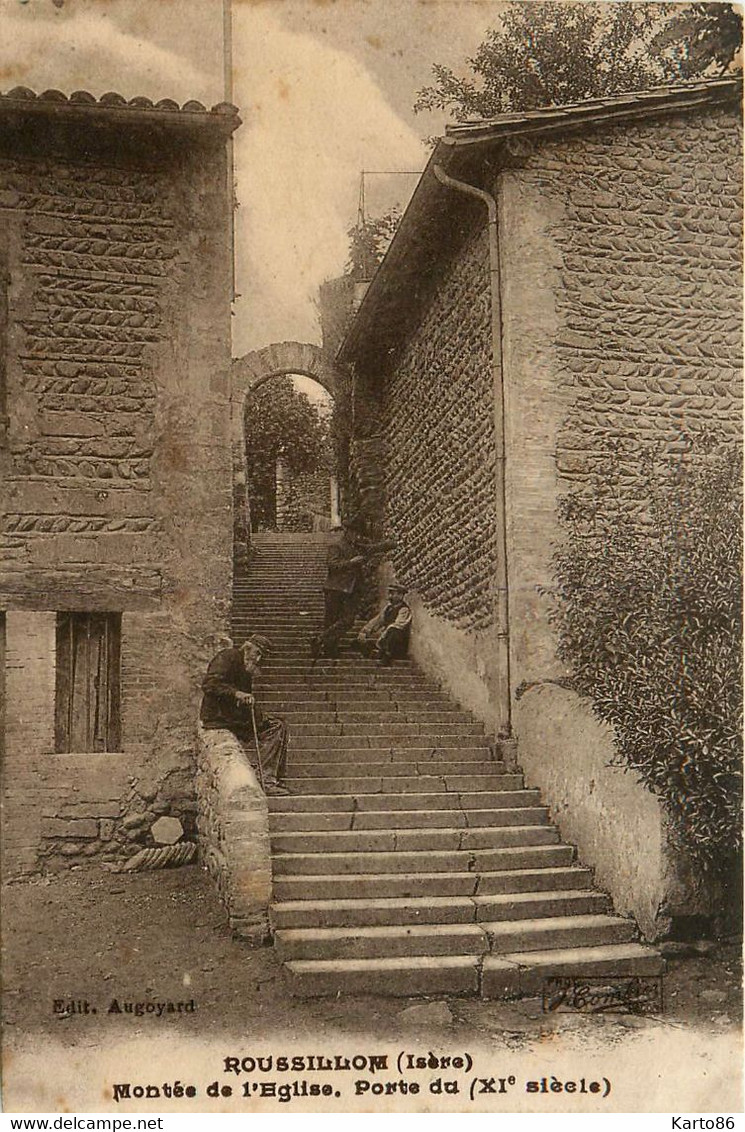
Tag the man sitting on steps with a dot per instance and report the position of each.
(387, 635)
(228, 702)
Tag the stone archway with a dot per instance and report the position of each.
(247, 374)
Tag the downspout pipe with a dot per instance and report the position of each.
(504, 704)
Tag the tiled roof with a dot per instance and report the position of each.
(679, 96)
(115, 106)
(464, 149)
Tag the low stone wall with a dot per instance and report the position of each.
(233, 827)
(620, 828)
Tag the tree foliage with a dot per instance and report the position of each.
(280, 422)
(550, 53)
(649, 621)
(368, 243)
(700, 39)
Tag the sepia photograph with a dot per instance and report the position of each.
(371, 557)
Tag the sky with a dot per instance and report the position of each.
(325, 89)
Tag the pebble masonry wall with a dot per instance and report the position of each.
(233, 824)
(116, 466)
(620, 256)
(650, 344)
(439, 450)
(96, 244)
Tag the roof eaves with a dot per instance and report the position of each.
(113, 107)
(627, 106)
(398, 248)
(470, 138)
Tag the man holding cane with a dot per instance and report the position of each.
(228, 702)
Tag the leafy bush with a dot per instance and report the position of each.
(649, 619)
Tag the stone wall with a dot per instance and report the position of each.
(234, 832)
(620, 251)
(620, 263)
(621, 830)
(438, 425)
(648, 345)
(116, 462)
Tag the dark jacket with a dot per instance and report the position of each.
(226, 675)
(343, 575)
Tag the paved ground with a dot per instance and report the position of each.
(96, 936)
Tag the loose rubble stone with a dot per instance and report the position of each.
(134, 821)
(167, 831)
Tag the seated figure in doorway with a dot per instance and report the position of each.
(228, 702)
(387, 635)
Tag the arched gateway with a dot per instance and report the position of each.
(248, 373)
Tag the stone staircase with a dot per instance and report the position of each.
(409, 860)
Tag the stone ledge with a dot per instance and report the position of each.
(233, 826)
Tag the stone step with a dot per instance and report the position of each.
(376, 676)
(414, 976)
(465, 800)
(265, 597)
(310, 700)
(275, 606)
(504, 976)
(362, 942)
(361, 886)
(332, 714)
(352, 665)
(357, 745)
(284, 613)
(407, 819)
(303, 605)
(390, 783)
(309, 768)
(394, 730)
(287, 644)
(377, 910)
(549, 932)
(408, 840)
(384, 703)
(525, 972)
(434, 757)
(286, 640)
(488, 860)
(380, 942)
(292, 627)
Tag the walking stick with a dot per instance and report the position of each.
(258, 752)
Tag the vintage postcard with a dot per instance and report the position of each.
(370, 572)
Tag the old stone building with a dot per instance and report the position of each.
(561, 278)
(115, 514)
